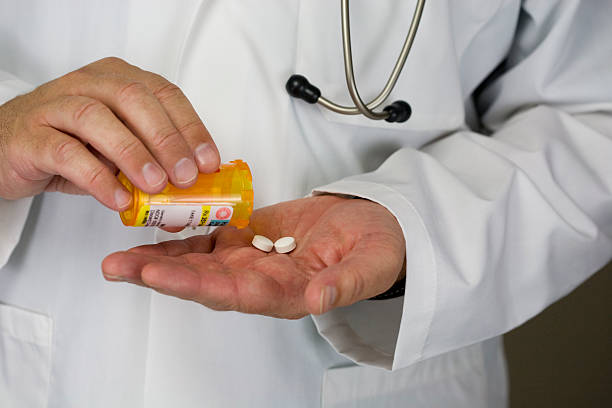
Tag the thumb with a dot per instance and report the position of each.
(366, 271)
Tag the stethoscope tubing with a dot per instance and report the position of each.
(361, 107)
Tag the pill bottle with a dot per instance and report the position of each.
(221, 198)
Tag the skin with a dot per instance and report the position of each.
(73, 134)
(348, 250)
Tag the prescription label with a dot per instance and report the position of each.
(184, 215)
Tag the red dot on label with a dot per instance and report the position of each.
(223, 213)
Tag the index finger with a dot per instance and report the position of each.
(186, 120)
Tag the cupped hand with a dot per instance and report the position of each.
(73, 133)
(347, 250)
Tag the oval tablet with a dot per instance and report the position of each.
(284, 245)
(262, 243)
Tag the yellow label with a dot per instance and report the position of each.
(205, 215)
(143, 216)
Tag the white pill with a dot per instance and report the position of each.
(262, 243)
(284, 245)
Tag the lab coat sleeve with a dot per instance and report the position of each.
(498, 227)
(13, 213)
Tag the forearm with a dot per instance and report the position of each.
(496, 229)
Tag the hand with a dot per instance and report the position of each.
(347, 250)
(71, 135)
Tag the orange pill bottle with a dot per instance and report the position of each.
(221, 198)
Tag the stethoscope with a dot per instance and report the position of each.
(399, 111)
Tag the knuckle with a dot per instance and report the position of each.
(72, 79)
(165, 136)
(89, 109)
(111, 60)
(127, 149)
(65, 150)
(132, 90)
(195, 125)
(167, 91)
(96, 175)
(92, 71)
(80, 75)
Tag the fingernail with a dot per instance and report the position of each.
(122, 198)
(153, 174)
(114, 278)
(205, 154)
(185, 171)
(328, 298)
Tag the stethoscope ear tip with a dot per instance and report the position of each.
(298, 86)
(399, 111)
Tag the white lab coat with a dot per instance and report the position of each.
(503, 190)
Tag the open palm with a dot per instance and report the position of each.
(347, 250)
